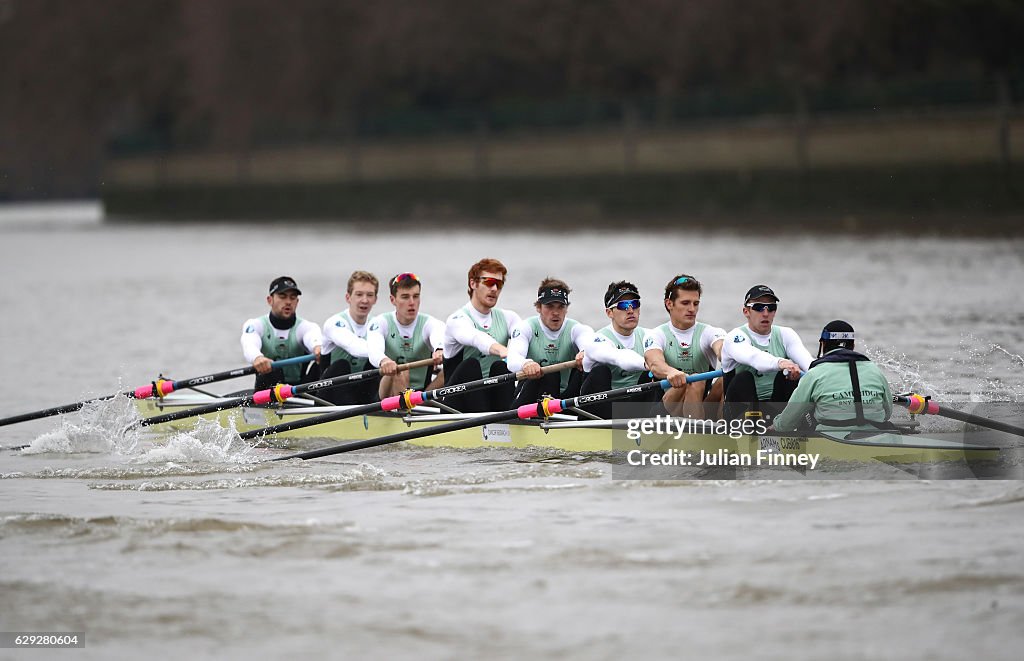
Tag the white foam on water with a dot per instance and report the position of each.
(207, 441)
(99, 427)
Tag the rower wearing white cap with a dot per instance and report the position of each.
(762, 361)
(280, 334)
(684, 346)
(547, 338)
(614, 355)
(842, 390)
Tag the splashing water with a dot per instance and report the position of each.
(994, 373)
(99, 427)
(208, 442)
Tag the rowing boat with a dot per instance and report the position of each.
(571, 434)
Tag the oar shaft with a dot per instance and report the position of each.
(161, 387)
(57, 410)
(524, 412)
(272, 395)
(396, 402)
(404, 436)
(919, 405)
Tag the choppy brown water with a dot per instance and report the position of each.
(193, 548)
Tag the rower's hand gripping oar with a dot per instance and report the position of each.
(406, 400)
(545, 408)
(279, 393)
(919, 405)
(158, 388)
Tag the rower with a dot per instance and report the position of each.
(614, 355)
(842, 390)
(345, 348)
(684, 346)
(404, 336)
(280, 334)
(762, 361)
(547, 338)
(475, 340)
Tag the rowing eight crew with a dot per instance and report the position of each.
(762, 361)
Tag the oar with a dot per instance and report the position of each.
(546, 408)
(278, 393)
(160, 387)
(408, 400)
(918, 405)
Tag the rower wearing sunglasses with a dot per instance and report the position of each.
(614, 355)
(476, 338)
(547, 338)
(761, 360)
(404, 336)
(842, 390)
(684, 346)
(345, 342)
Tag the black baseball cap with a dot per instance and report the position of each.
(283, 283)
(552, 295)
(757, 291)
(613, 296)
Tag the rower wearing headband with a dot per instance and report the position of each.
(547, 338)
(614, 355)
(842, 390)
(475, 340)
(761, 360)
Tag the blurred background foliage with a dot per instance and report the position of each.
(83, 81)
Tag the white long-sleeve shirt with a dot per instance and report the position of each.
(380, 326)
(307, 332)
(460, 331)
(519, 345)
(738, 349)
(341, 331)
(599, 350)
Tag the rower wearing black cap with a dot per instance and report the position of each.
(278, 335)
(547, 338)
(762, 361)
(614, 355)
(842, 390)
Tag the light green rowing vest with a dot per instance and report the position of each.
(338, 354)
(764, 382)
(689, 359)
(408, 349)
(498, 330)
(545, 351)
(620, 377)
(276, 348)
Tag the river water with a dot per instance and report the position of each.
(191, 547)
